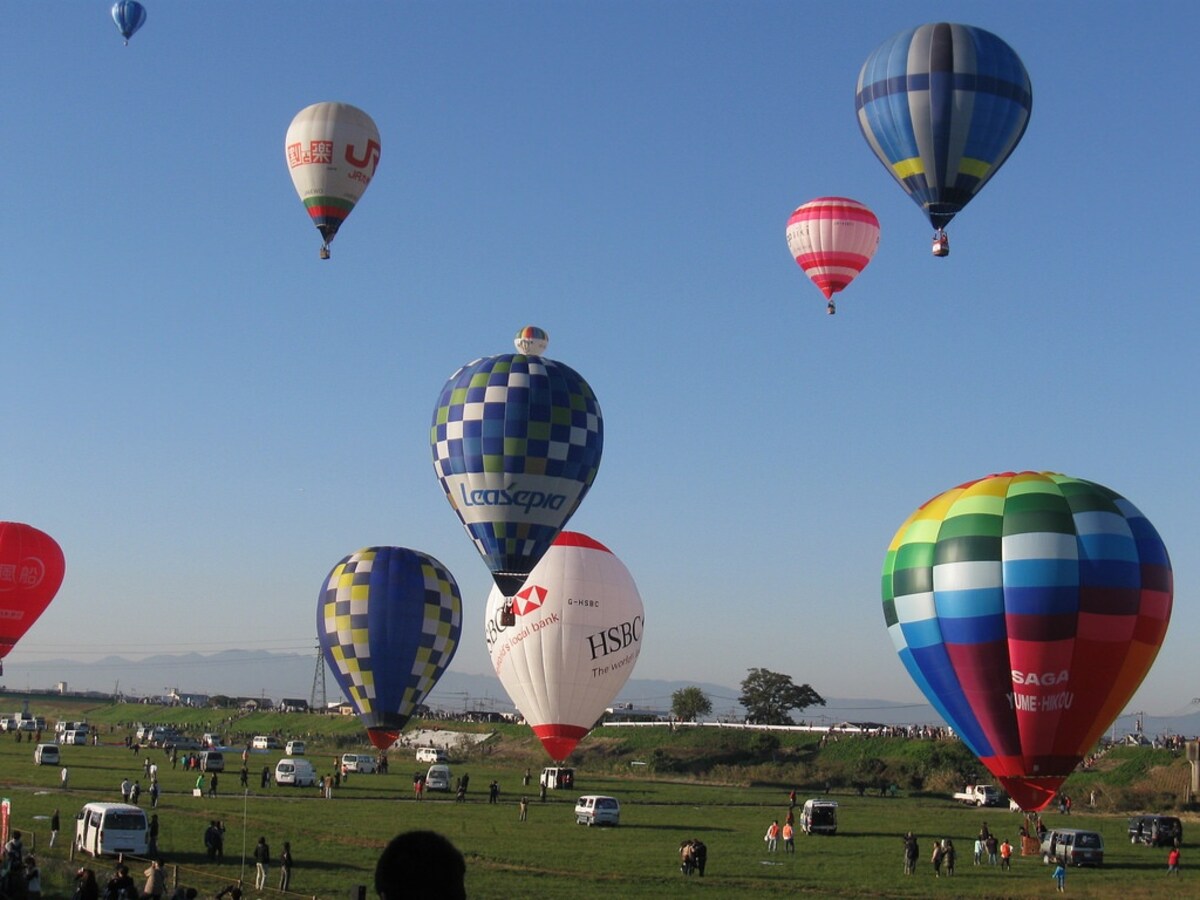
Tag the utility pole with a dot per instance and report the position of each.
(318, 685)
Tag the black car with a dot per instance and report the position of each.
(1155, 831)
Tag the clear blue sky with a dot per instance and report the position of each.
(207, 417)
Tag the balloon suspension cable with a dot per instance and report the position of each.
(324, 251)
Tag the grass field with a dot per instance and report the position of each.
(336, 842)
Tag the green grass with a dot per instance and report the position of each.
(336, 842)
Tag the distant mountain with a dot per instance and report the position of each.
(260, 673)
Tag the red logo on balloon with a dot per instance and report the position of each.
(529, 599)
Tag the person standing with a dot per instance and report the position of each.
(936, 859)
(152, 844)
(135, 792)
(126, 787)
(266, 777)
(1006, 850)
(789, 838)
(912, 852)
(949, 855)
(493, 791)
(772, 836)
(285, 866)
(212, 785)
(523, 815)
(156, 881)
(1173, 861)
(262, 863)
(54, 824)
(33, 879)
(63, 777)
(154, 794)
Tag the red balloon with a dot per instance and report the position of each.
(31, 571)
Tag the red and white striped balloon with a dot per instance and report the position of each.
(832, 239)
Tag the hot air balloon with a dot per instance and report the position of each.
(531, 341)
(389, 621)
(128, 16)
(943, 106)
(516, 444)
(1028, 608)
(832, 239)
(574, 642)
(31, 572)
(332, 152)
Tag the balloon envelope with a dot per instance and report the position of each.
(389, 621)
(31, 572)
(128, 16)
(332, 151)
(1028, 608)
(516, 444)
(578, 633)
(832, 239)
(942, 107)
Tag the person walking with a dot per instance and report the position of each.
(212, 785)
(262, 863)
(154, 794)
(54, 824)
(772, 836)
(1006, 850)
(936, 859)
(1060, 875)
(285, 866)
(789, 838)
(1173, 861)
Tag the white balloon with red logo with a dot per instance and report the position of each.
(575, 638)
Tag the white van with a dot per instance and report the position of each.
(73, 737)
(594, 809)
(111, 828)
(438, 778)
(266, 742)
(358, 762)
(212, 761)
(557, 777)
(46, 755)
(294, 748)
(819, 817)
(297, 771)
(432, 755)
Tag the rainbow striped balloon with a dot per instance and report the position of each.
(1028, 608)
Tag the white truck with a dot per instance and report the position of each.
(979, 795)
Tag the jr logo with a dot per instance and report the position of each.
(370, 156)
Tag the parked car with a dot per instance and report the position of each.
(212, 761)
(299, 772)
(596, 809)
(432, 755)
(266, 742)
(294, 748)
(358, 762)
(1155, 831)
(557, 777)
(1073, 846)
(438, 778)
(46, 755)
(819, 817)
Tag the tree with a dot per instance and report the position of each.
(688, 703)
(769, 697)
